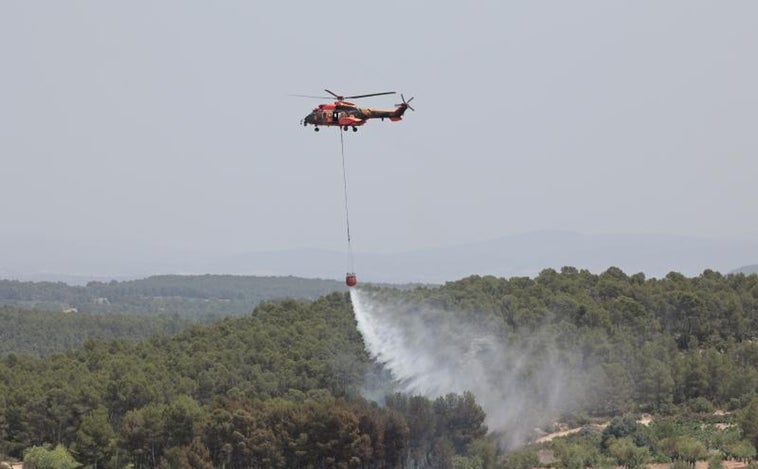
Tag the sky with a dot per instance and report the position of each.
(171, 124)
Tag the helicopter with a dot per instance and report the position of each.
(345, 114)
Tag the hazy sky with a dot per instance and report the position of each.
(170, 123)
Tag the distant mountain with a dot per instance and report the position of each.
(747, 269)
(517, 255)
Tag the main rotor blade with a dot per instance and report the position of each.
(339, 97)
(370, 94)
(309, 96)
(334, 94)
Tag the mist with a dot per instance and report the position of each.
(521, 383)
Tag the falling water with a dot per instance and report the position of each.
(432, 352)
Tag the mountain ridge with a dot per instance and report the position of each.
(524, 254)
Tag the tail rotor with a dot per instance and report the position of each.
(406, 103)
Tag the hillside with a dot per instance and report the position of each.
(284, 384)
(646, 344)
(284, 381)
(39, 333)
(187, 296)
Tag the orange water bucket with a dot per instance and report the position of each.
(351, 280)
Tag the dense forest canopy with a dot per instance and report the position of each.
(669, 340)
(282, 387)
(31, 332)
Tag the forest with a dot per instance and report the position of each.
(39, 333)
(197, 297)
(283, 386)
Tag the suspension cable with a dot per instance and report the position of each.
(350, 261)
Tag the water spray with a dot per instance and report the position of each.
(433, 352)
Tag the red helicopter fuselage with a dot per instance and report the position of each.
(346, 114)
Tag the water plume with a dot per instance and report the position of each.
(518, 381)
